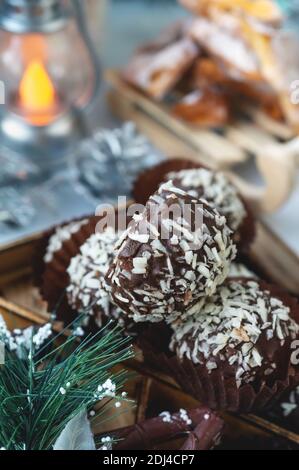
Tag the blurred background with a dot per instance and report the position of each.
(46, 177)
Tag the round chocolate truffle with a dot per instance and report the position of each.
(86, 290)
(241, 327)
(178, 250)
(214, 188)
(61, 235)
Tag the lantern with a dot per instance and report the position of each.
(48, 74)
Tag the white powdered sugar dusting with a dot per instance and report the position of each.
(226, 45)
(156, 72)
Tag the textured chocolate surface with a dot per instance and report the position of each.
(242, 329)
(149, 181)
(163, 268)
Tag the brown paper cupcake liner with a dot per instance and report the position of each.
(52, 278)
(148, 182)
(217, 389)
(203, 434)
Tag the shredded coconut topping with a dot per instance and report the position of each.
(215, 188)
(154, 277)
(240, 270)
(61, 235)
(87, 270)
(233, 326)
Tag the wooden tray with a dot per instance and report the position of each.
(21, 306)
(273, 145)
(154, 393)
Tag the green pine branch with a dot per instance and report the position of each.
(43, 388)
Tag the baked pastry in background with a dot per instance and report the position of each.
(206, 107)
(264, 11)
(157, 67)
(240, 60)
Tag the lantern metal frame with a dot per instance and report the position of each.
(45, 145)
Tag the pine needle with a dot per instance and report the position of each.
(42, 387)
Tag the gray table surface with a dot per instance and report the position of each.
(129, 23)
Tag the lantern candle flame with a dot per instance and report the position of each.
(37, 95)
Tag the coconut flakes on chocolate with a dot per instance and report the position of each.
(240, 270)
(86, 290)
(240, 326)
(61, 235)
(161, 268)
(216, 189)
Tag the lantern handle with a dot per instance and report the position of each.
(79, 11)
